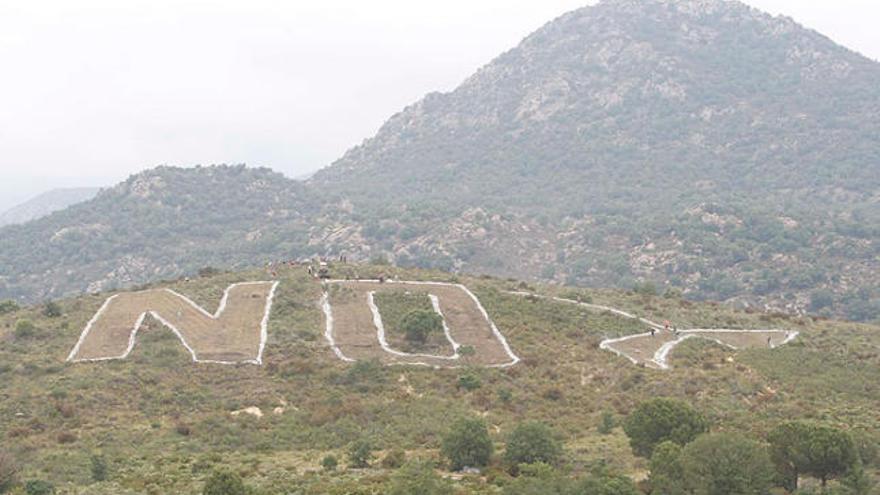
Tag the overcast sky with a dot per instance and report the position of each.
(94, 90)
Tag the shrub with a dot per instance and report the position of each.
(467, 444)
(208, 271)
(607, 423)
(8, 307)
(469, 382)
(8, 472)
(24, 329)
(39, 487)
(98, 468)
(329, 463)
(360, 454)
(223, 482)
(66, 437)
(394, 459)
(659, 420)
(532, 442)
(418, 325)
(726, 464)
(666, 473)
(183, 429)
(418, 478)
(52, 310)
(505, 395)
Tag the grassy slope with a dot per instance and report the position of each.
(130, 411)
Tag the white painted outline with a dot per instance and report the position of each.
(660, 357)
(328, 313)
(132, 339)
(380, 330)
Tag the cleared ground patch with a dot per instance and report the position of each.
(393, 308)
(355, 330)
(236, 333)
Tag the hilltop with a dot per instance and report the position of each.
(161, 423)
(46, 203)
(698, 147)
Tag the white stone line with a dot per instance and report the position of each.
(435, 302)
(661, 355)
(328, 329)
(497, 333)
(132, 338)
(380, 333)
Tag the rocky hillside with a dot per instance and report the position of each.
(698, 144)
(694, 146)
(46, 203)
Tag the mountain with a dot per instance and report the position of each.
(158, 224)
(698, 147)
(46, 203)
(161, 424)
(697, 144)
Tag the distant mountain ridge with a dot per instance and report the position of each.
(698, 146)
(46, 203)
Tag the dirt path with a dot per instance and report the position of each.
(236, 333)
(355, 331)
(653, 350)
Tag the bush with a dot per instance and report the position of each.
(532, 442)
(360, 454)
(607, 423)
(418, 325)
(224, 482)
(467, 444)
(726, 464)
(98, 468)
(24, 329)
(660, 420)
(8, 472)
(666, 472)
(329, 463)
(469, 382)
(8, 307)
(394, 459)
(39, 487)
(418, 478)
(52, 310)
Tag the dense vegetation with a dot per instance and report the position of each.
(158, 424)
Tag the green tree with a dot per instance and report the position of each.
(418, 325)
(819, 451)
(661, 420)
(666, 472)
(726, 464)
(329, 463)
(418, 477)
(52, 310)
(223, 482)
(8, 307)
(467, 444)
(606, 484)
(360, 454)
(532, 442)
(539, 479)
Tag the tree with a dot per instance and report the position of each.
(360, 454)
(223, 482)
(8, 472)
(52, 310)
(726, 464)
(532, 442)
(666, 471)
(418, 477)
(819, 451)
(419, 324)
(467, 444)
(8, 307)
(661, 420)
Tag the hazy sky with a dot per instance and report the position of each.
(94, 90)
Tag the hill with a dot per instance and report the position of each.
(692, 146)
(161, 424)
(46, 203)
